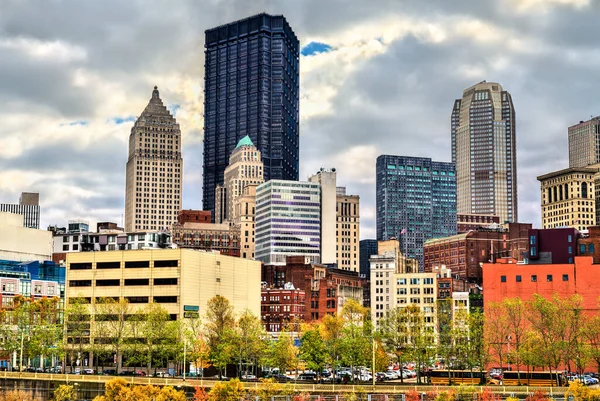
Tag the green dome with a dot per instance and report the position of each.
(245, 141)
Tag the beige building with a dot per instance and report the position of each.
(177, 279)
(154, 169)
(348, 230)
(484, 152)
(327, 178)
(21, 243)
(584, 143)
(244, 221)
(568, 198)
(245, 168)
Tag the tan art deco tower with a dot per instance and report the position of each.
(484, 152)
(154, 169)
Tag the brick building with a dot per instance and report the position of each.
(448, 283)
(279, 307)
(327, 289)
(467, 222)
(463, 253)
(552, 246)
(222, 238)
(194, 216)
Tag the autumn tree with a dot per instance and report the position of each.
(111, 325)
(331, 330)
(119, 390)
(283, 353)
(249, 340)
(496, 332)
(356, 335)
(313, 350)
(219, 324)
(394, 336)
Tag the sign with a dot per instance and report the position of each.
(191, 308)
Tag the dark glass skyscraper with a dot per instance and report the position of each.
(251, 87)
(368, 247)
(416, 201)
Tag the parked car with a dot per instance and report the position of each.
(162, 374)
(109, 372)
(77, 371)
(248, 376)
(88, 371)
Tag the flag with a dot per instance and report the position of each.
(403, 231)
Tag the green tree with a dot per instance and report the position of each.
(331, 330)
(356, 335)
(78, 325)
(591, 334)
(313, 350)
(161, 335)
(250, 340)
(283, 353)
(111, 325)
(219, 323)
(394, 335)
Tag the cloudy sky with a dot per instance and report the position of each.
(377, 76)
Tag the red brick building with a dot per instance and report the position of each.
(281, 306)
(222, 238)
(449, 283)
(326, 289)
(194, 216)
(468, 222)
(463, 253)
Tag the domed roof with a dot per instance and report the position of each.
(245, 141)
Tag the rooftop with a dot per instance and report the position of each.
(245, 141)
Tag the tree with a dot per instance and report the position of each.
(111, 325)
(394, 336)
(283, 354)
(220, 322)
(161, 336)
(250, 340)
(514, 310)
(232, 390)
(313, 350)
(591, 333)
(331, 330)
(119, 390)
(77, 322)
(356, 333)
(64, 392)
(496, 332)
(197, 346)
(420, 338)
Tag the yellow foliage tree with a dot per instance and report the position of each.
(15, 395)
(232, 390)
(119, 390)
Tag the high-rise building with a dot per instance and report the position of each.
(28, 207)
(568, 198)
(584, 143)
(244, 221)
(484, 152)
(416, 201)
(326, 178)
(348, 230)
(154, 169)
(288, 221)
(368, 248)
(251, 88)
(245, 167)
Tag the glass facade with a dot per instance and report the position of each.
(368, 247)
(288, 221)
(416, 201)
(251, 87)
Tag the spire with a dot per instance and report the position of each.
(155, 93)
(245, 141)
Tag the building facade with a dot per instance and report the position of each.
(568, 198)
(552, 246)
(221, 238)
(244, 221)
(327, 178)
(28, 207)
(484, 152)
(464, 253)
(281, 306)
(20, 243)
(251, 87)
(288, 221)
(194, 216)
(245, 168)
(108, 240)
(154, 169)
(467, 222)
(584, 143)
(368, 248)
(416, 201)
(348, 231)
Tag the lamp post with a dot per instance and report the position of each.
(373, 361)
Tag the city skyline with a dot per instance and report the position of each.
(367, 79)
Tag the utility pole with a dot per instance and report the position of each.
(373, 362)
(184, 354)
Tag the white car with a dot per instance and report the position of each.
(248, 377)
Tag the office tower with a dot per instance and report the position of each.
(368, 248)
(28, 207)
(348, 230)
(584, 143)
(288, 221)
(245, 167)
(484, 152)
(244, 220)
(568, 198)
(416, 201)
(154, 169)
(251, 87)
(327, 181)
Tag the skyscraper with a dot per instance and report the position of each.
(348, 230)
(288, 221)
(415, 201)
(28, 207)
(484, 152)
(154, 169)
(251, 87)
(584, 143)
(327, 178)
(245, 168)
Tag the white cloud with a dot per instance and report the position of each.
(49, 51)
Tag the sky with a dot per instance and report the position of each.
(377, 77)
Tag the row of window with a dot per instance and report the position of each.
(534, 278)
(127, 282)
(128, 264)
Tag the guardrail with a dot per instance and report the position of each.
(299, 387)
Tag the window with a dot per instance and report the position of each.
(518, 279)
(166, 299)
(80, 283)
(591, 248)
(66, 247)
(533, 251)
(565, 277)
(582, 248)
(108, 283)
(532, 240)
(137, 281)
(570, 238)
(165, 281)
(570, 250)
(108, 265)
(137, 264)
(137, 300)
(165, 263)
(534, 278)
(549, 277)
(80, 266)
(503, 279)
